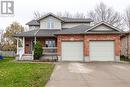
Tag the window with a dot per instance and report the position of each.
(20, 43)
(50, 24)
(50, 43)
(33, 27)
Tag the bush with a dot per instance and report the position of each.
(124, 58)
(37, 50)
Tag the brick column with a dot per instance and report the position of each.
(86, 49)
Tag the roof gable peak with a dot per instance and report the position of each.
(104, 23)
(49, 14)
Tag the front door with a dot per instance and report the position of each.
(31, 46)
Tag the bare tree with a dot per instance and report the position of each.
(10, 40)
(107, 14)
(67, 14)
(37, 14)
(79, 15)
(59, 14)
(127, 18)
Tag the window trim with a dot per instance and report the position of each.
(50, 43)
(50, 24)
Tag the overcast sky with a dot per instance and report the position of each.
(24, 9)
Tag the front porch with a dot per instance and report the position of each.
(25, 47)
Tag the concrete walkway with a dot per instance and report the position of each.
(68, 74)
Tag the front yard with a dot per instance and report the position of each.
(13, 74)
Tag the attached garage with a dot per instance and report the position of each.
(101, 50)
(72, 51)
(100, 42)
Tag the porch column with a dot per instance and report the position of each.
(17, 44)
(23, 45)
(35, 40)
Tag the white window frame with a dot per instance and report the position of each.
(50, 24)
(50, 43)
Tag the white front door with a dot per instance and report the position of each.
(101, 50)
(72, 51)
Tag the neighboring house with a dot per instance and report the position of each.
(1, 35)
(74, 39)
(125, 44)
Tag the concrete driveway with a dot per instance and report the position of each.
(70, 74)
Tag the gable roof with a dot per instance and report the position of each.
(49, 14)
(80, 29)
(63, 19)
(104, 23)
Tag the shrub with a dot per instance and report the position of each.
(124, 58)
(38, 50)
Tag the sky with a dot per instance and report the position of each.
(24, 9)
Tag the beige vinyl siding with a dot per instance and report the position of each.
(43, 23)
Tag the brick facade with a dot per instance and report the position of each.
(86, 39)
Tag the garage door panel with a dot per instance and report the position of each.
(102, 50)
(72, 51)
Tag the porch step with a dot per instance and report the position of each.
(26, 57)
(27, 54)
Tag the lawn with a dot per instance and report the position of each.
(14, 74)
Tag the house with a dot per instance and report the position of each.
(1, 35)
(71, 39)
(125, 44)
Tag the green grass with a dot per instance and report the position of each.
(13, 74)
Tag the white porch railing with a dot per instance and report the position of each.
(49, 50)
(20, 52)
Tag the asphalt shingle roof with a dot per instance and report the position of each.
(74, 30)
(65, 20)
(80, 29)
(33, 22)
(38, 32)
(26, 34)
(46, 32)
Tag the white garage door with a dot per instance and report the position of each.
(101, 50)
(72, 51)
